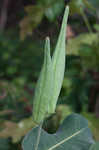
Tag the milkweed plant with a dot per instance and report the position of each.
(51, 77)
(74, 133)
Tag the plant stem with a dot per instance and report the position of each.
(3, 16)
(38, 136)
(86, 20)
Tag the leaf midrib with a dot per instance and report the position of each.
(64, 140)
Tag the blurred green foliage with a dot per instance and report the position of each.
(49, 8)
(21, 60)
(82, 72)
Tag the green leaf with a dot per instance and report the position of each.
(73, 134)
(47, 3)
(93, 124)
(94, 3)
(96, 27)
(95, 146)
(43, 88)
(75, 6)
(4, 144)
(74, 45)
(31, 21)
(53, 11)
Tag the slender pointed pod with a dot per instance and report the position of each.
(58, 61)
(43, 88)
(51, 77)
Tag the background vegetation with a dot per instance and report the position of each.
(23, 28)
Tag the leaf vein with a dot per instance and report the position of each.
(63, 141)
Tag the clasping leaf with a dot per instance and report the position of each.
(73, 134)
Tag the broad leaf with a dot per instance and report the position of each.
(95, 146)
(73, 134)
(4, 144)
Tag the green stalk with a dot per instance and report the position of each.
(38, 136)
(86, 20)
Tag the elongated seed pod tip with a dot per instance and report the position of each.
(51, 76)
(58, 61)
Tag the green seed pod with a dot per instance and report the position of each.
(43, 90)
(51, 77)
(58, 61)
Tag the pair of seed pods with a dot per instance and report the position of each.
(51, 76)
